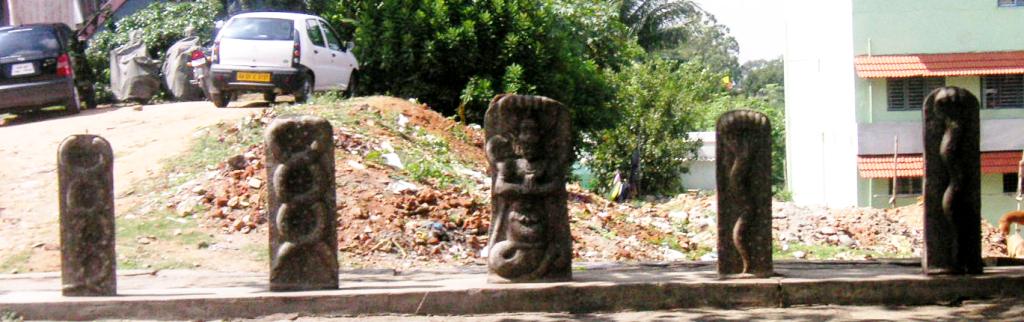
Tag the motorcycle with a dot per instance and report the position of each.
(200, 64)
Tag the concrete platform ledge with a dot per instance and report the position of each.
(184, 295)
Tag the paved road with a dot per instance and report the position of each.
(992, 310)
(140, 140)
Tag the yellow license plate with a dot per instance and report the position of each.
(253, 77)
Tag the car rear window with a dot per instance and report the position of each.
(259, 29)
(28, 42)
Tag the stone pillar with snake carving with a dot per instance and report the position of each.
(743, 163)
(952, 190)
(529, 151)
(85, 176)
(303, 235)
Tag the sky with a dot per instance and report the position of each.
(758, 25)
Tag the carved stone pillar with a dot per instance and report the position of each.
(303, 233)
(744, 166)
(85, 176)
(952, 190)
(529, 151)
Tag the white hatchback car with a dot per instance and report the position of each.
(279, 53)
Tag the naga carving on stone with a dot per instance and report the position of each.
(743, 169)
(303, 237)
(85, 175)
(952, 191)
(529, 151)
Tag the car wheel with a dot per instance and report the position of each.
(270, 97)
(72, 106)
(305, 90)
(353, 85)
(220, 100)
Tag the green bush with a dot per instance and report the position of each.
(657, 103)
(451, 53)
(161, 23)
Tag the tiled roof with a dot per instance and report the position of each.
(912, 165)
(880, 166)
(1000, 162)
(955, 64)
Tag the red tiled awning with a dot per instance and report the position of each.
(912, 165)
(933, 65)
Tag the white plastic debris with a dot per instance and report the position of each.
(402, 122)
(393, 160)
(356, 165)
(386, 146)
(401, 186)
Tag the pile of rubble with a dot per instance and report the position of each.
(385, 217)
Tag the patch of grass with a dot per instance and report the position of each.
(827, 252)
(15, 261)
(161, 227)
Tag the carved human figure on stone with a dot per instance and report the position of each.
(529, 151)
(86, 185)
(952, 210)
(743, 164)
(303, 239)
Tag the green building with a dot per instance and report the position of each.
(860, 72)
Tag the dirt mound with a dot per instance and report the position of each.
(412, 191)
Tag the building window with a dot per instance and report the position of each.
(1009, 183)
(1003, 91)
(908, 186)
(909, 93)
(1011, 3)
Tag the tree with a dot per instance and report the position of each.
(657, 103)
(658, 24)
(756, 75)
(451, 53)
(708, 43)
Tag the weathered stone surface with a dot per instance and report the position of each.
(744, 167)
(529, 151)
(952, 190)
(85, 175)
(303, 238)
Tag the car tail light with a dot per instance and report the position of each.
(297, 50)
(64, 66)
(198, 54)
(215, 57)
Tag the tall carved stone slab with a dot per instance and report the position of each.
(529, 151)
(952, 190)
(743, 172)
(303, 234)
(85, 175)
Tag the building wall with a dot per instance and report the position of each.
(873, 102)
(994, 203)
(701, 176)
(886, 27)
(821, 128)
(31, 11)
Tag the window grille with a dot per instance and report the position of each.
(1003, 91)
(1011, 3)
(909, 93)
(908, 186)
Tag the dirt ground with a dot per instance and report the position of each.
(28, 178)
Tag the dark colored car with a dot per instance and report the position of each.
(37, 68)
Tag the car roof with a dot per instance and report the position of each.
(279, 15)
